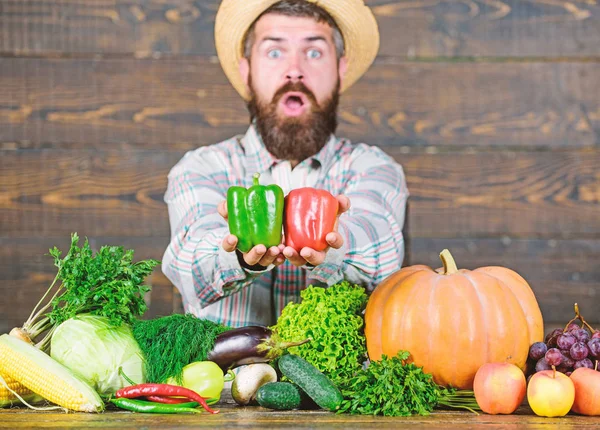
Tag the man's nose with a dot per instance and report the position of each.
(295, 76)
(294, 72)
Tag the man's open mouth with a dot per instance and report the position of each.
(294, 103)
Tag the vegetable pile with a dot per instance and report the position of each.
(305, 387)
(86, 346)
(106, 285)
(171, 343)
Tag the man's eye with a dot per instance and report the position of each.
(313, 53)
(274, 53)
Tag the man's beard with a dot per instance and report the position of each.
(295, 138)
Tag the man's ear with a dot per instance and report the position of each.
(342, 67)
(245, 70)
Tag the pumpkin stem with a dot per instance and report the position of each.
(448, 261)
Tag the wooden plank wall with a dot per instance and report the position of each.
(493, 109)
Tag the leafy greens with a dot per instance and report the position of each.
(171, 342)
(332, 317)
(107, 284)
(392, 387)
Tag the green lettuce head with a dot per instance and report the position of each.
(332, 318)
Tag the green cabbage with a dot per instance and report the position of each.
(93, 349)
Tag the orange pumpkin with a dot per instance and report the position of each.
(453, 321)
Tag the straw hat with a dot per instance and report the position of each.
(354, 19)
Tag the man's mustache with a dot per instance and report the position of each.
(295, 87)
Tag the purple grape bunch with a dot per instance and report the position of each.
(566, 349)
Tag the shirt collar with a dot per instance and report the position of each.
(259, 159)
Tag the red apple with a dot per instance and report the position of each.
(499, 388)
(587, 391)
(550, 393)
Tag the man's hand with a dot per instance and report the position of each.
(333, 239)
(258, 254)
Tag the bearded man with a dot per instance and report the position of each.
(289, 60)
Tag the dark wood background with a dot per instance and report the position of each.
(492, 107)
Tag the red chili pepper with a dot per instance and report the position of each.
(310, 214)
(145, 390)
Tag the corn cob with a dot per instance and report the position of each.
(9, 399)
(45, 376)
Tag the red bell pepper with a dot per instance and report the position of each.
(310, 214)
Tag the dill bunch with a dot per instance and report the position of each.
(172, 342)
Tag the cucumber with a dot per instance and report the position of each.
(281, 396)
(312, 381)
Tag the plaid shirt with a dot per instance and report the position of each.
(212, 283)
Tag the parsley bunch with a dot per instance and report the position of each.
(391, 387)
(108, 283)
(332, 318)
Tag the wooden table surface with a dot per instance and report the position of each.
(254, 417)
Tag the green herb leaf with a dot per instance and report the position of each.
(109, 283)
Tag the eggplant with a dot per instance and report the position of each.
(247, 345)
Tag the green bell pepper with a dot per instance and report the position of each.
(255, 214)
